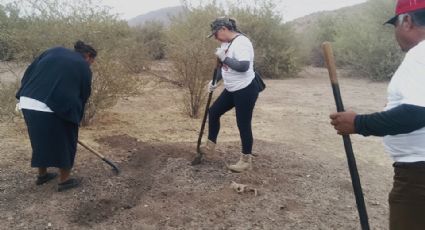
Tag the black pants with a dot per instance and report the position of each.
(244, 102)
(407, 198)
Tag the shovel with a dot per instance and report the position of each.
(198, 158)
(355, 178)
(114, 167)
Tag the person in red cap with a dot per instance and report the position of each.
(402, 123)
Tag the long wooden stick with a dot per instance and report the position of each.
(198, 158)
(355, 178)
(114, 167)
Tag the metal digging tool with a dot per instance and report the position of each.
(198, 158)
(114, 167)
(355, 178)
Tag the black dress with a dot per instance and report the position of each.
(61, 79)
(53, 140)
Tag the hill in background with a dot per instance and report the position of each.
(307, 22)
(162, 15)
(301, 24)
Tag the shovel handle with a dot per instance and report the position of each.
(352, 166)
(330, 64)
(198, 158)
(91, 150)
(114, 167)
(330, 61)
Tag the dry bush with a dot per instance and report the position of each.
(323, 29)
(111, 81)
(133, 55)
(276, 46)
(151, 35)
(9, 84)
(60, 23)
(193, 54)
(372, 50)
(8, 100)
(361, 43)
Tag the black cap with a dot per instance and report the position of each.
(221, 22)
(392, 21)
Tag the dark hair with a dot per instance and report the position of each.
(83, 48)
(229, 23)
(418, 17)
(234, 27)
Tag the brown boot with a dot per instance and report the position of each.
(244, 164)
(208, 149)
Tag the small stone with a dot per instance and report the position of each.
(49, 225)
(375, 203)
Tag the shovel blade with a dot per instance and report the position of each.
(197, 160)
(115, 169)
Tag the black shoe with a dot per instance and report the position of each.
(70, 183)
(45, 178)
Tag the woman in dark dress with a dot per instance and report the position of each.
(52, 97)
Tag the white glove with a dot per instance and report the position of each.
(221, 54)
(212, 87)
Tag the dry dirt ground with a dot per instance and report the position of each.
(300, 171)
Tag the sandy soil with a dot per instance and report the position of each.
(300, 171)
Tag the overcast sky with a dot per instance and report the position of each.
(290, 9)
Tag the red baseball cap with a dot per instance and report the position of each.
(406, 6)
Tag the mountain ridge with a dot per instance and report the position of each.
(162, 15)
